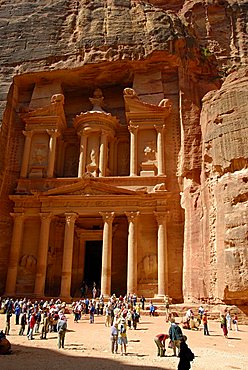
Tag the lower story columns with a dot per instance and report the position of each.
(40, 278)
(14, 253)
(106, 253)
(132, 252)
(162, 254)
(70, 219)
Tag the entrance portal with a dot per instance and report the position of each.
(93, 264)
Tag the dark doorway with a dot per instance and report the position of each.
(93, 264)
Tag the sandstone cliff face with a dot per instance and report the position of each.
(164, 49)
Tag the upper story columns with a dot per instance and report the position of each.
(146, 123)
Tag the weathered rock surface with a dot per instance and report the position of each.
(181, 50)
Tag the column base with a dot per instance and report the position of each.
(65, 299)
(159, 295)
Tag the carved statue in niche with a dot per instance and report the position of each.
(97, 101)
(28, 263)
(147, 268)
(93, 157)
(39, 155)
(150, 152)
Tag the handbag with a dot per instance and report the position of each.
(171, 344)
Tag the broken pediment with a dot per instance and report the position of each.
(135, 106)
(87, 187)
(49, 115)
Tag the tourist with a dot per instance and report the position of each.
(5, 345)
(142, 301)
(23, 323)
(160, 342)
(17, 313)
(223, 325)
(185, 354)
(229, 321)
(129, 318)
(167, 307)
(152, 309)
(7, 327)
(45, 325)
(205, 324)
(107, 316)
(176, 335)
(61, 329)
(135, 319)
(32, 321)
(201, 311)
(114, 338)
(92, 313)
(235, 322)
(122, 336)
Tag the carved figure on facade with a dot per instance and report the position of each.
(97, 101)
(39, 156)
(147, 268)
(150, 152)
(134, 104)
(28, 263)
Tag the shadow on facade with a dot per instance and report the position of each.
(24, 357)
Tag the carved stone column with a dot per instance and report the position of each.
(133, 150)
(52, 151)
(82, 154)
(103, 154)
(162, 253)
(14, 253)
(70, 219)
(106, 253)
(132, 252)
(40, 277)
(112, 156)
(160, 150)
(26, 154)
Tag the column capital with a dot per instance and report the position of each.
(133, 129)
(104, 132)
(71, 218)
(159, 128)
(17, 216)
(161, 217)
(53, 133)
(107, 216)
(46, 216)
(132, 216)
(28, 133)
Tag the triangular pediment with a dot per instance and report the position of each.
(88, 187)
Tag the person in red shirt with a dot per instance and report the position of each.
(32, 322)
(205, 324)
(160, 342)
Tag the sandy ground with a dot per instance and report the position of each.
(87, 346)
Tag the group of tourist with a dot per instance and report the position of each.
(121, 313)
(39, 317)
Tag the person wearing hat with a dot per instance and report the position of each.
(61, 329)
(114, 337)
(122, 336)
(175, 334)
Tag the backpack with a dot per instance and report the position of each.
(190, 355)
(122, 329)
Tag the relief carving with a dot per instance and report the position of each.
(39, 155)
(28, 263)
(147, 268)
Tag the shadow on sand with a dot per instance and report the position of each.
(24, 357)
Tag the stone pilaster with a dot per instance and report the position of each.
(103, 154)
(162, 253)
(40, 277)
(26, 154)
(160, 149)
(14, 253)
(133, 150)
(52, 151)
(82, 154)
(70, 219)
(132, 252)
(106, 253)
